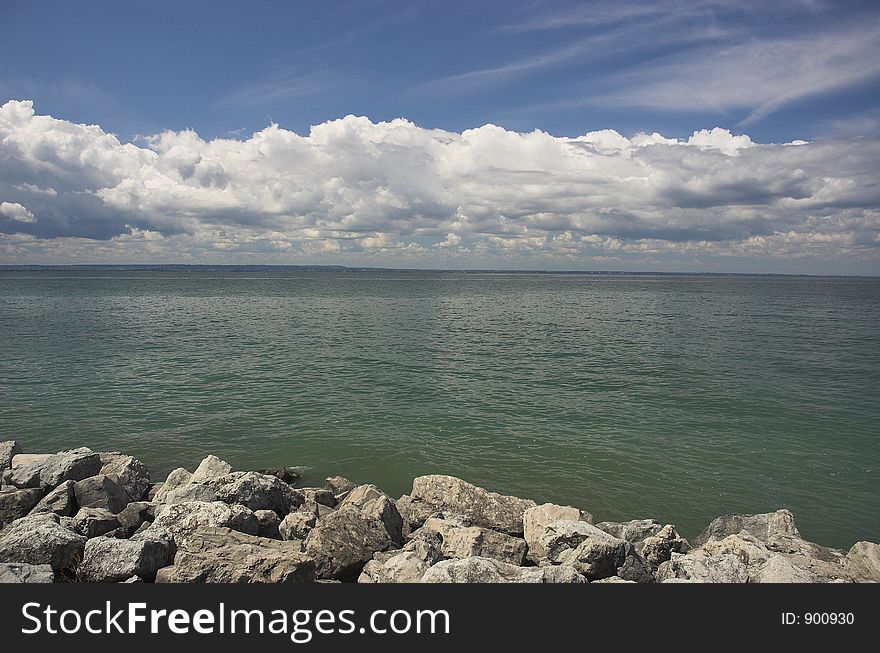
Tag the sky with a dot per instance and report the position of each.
(671, 135)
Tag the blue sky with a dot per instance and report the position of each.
(796, 70)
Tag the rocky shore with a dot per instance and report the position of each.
(85, 516)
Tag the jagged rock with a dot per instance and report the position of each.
(286, 474)
(863, 561)
(180, 520)
(268, 522)
(8, 450)
(657, 549)
(591, 551)
(761, 526)
(297, 525)
(825, 563)
(724, 568)
(176, 478)
(15, 572)
(60, 501)
(153, 490)
(93, 522)
(338, 485)
(634, 567)
(375, 504)
(134, 515)
(221, 555)
(16, 503)
(100, 491)
(407, 565)
(211, 467)
(188, 492)
(449, 494)
(536, 519)
(633, 531)
(41, 540)
(486, 570)
(458, 541)
(109, 560)
(128, 472)
(49, 472)
(319, 496)
(20, 459)
(344, 541)
(747, 548)
(258, 492)
(779, 569)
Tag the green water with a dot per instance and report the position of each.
(674, 397)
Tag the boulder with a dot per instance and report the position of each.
(153, 490)
(591, 551)
(633, 531)
(375, 504)
(61, 501)
(41, 540)
(221, 555)
(180, 520)
(338, 485)
(724, 568)
(536, 519)
(486, 570)
(634, 567)
(316, 495)
(175, 479)
(93, 522)
(297, 525)
(16, 503)
(268, 522)
(407, 565)
(14, 572)
(211, 467)
(287, 474)
(449, 494)
(51, 471)
(27, 458)
(761, 526)
(657, 549)
(8, 449)
(780, 569)
(129, 472)
(863, 562)
(100, 491)
(459, 541)
(257, 492)
(134, 515)
(344, 541)
(110, 560)
(613, 579)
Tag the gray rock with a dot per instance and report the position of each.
(153, 490)
(286, 474)
(14, 572)
(297, 525)
(761, 526)
(8, 449)
(633, 531)
(49, 472)
(375, 504)
(134, 579)
(175, 479)
(657, 549)
(344, 541)
(109, 560)
(188, 492)
(100, 491)
(134, 515)
(210, 468)
(724, 568)
(60, 501)
(634, 567)
(93, 522)
(613, 579)
(780, 569)
(268, 522)
(41, 540)
(338, 485)
(863, 561)
(319, 496)
(536, 519)
(129, 472)
(407, 565)
(180, 520)
(486, 570)
(15, 503)
(258, 492)
(458, 541)
(220, 555)
(449, 494)
(591, 551)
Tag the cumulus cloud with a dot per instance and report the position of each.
(394, 193)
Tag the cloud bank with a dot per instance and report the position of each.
(393, 193)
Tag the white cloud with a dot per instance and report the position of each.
(393, 193)
(16, 211)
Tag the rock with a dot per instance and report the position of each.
(60, 501)
(109, 560)
(128, 472)
(344, 541)
(188, 492)
(459, 541)
(863, 561)
(25, 458)
(180, 520)
(319, 496)
(633, 531)
(408, 565)
(375, 504)
(8, 449)
(15, 572)
(268, 522)
(795, 545)
(725, 568)
(258, 492)
(221, 555)
(634, 567)
(210, 468)
(486, 570)
(48, 473)
(286, 474)
(761, 526)
(15, 503)
(41, 540)
(134, 579)
(153, 490)
(591, 551)
(657, 549)
(177, 478)
(100, 491)
(536, 519)
(449, 494)
(613, 579)
(748, 549)
(338, 485)
(297, 525)
(779, 569)
(134, 515)
(93, 522)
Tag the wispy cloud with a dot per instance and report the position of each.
(276, 90)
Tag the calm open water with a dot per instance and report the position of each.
(675, 397)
